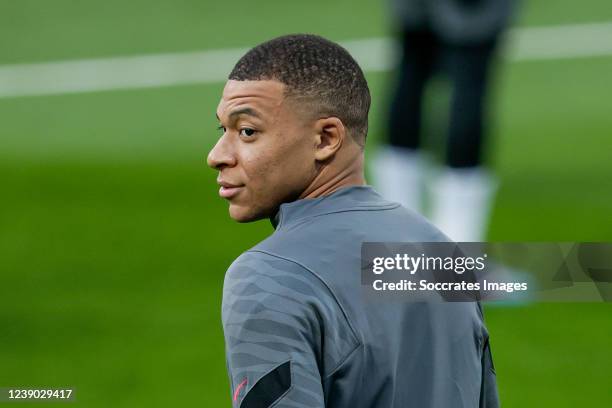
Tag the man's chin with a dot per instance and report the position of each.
(243, 215)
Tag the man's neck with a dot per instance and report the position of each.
(331, 179)
(328, 189)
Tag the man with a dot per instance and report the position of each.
(294, 117)
(458, 38)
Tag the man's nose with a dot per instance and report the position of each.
(221, 155)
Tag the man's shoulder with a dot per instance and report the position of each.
(267, 272)
(258, 260)
(257, 277)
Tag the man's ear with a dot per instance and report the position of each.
(331, 133)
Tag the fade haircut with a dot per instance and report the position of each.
(315, 71)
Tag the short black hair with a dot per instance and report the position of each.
(316, 69)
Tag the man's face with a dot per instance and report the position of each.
(265, 155)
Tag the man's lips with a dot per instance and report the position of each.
(228, 190)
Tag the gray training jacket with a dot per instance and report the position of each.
(299, 333)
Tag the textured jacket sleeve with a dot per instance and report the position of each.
(284, 333)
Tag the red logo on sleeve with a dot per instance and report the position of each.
(239, 388)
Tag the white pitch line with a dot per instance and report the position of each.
(212, 66)
(560, 42)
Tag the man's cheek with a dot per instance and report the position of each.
(256, 193)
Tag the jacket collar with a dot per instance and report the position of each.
(343, 199)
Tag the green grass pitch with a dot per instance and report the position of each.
(113, 242)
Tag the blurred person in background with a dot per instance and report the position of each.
(460, 38)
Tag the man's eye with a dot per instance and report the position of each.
(247, 132)
(221, 128)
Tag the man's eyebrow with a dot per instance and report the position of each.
(242, 111)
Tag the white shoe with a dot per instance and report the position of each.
(462, 201)
(398, 175)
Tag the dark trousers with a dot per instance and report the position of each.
(467, 67)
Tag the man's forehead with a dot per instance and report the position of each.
(261, 95)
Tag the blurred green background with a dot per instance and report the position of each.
(113, 241)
